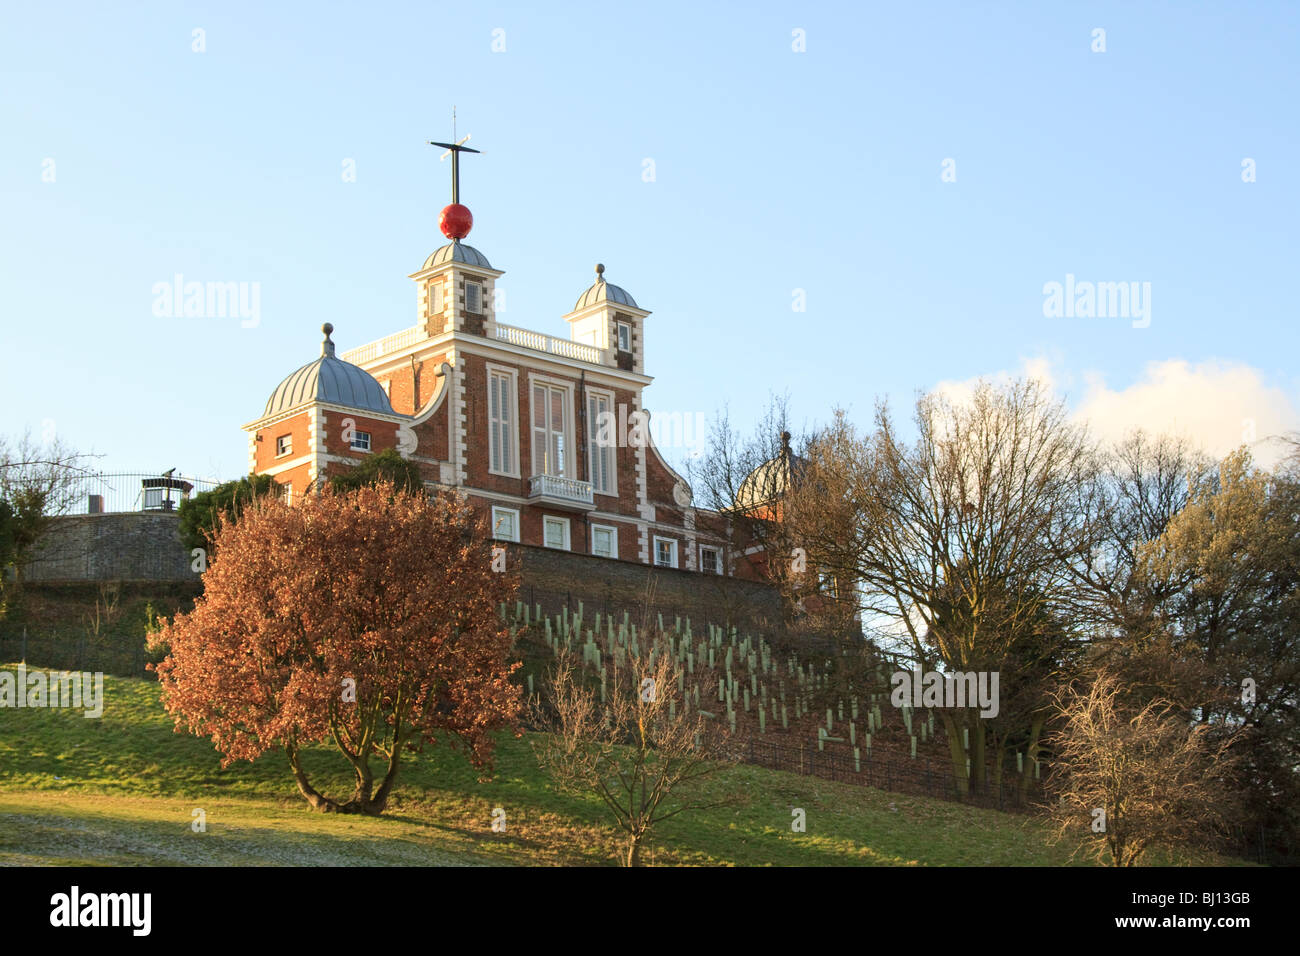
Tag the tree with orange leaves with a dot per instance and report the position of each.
(366, 617)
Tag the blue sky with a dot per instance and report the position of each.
(774, 171)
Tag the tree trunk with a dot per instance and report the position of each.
(315, 800)
(956, 752)
(634, 852)
(977, 763)
(1031, 754)
(379, 802)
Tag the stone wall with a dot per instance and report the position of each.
(555, 578)
(121, 546)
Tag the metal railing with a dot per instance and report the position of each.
(104, 493)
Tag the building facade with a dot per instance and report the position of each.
(549, 436)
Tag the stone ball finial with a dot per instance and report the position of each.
(328, 329)
(600, 269)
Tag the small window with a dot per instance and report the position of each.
(827, 583)
(283, 445)
(555, 533)
(604, 541)
(284, 491)
(624, 337)
(710, 560)
(435, 296)
(505, 524)
(473, 297)
(665, 552)
(361, 441)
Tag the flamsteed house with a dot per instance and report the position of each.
(533, 429)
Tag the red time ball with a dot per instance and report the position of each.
(455, 221)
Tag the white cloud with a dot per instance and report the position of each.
(1217, 405)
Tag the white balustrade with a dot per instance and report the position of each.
(563, 489)
(391, 343)
(549, 344)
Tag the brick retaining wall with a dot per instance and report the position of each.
(554, 578)
(146, 547)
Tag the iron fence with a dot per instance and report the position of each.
(103, 492)
(76, 652)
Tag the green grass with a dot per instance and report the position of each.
(121, 790)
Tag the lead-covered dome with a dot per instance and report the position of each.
(602, 291)
(331, 380)
(457, 251)
(769, 482)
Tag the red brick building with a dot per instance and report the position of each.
(549, 436)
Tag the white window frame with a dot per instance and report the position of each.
(435, 296)
(654, 554)
(618, 336)
(469, 307)
(512, 426)
(716, 551)
(569, 430)
(356, 444)
(547, 521)
(611, 451)
(288, 445)
(514, 517)
(613, 540)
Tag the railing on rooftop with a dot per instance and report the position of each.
(103, 493)
(537, 341)
(390, 343)
(549, 344)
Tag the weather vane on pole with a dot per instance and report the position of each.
(455, 220)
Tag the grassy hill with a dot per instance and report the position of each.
(122, 789)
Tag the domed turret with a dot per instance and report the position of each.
(763, 487)
(602, 291)
(330, 380)
(457, 252)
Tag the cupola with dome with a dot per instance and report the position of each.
(602, 291)
(607, 317)
(761, 491)
(322, 416)
(330, 380)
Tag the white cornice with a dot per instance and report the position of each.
(328, 406)
(449, 265)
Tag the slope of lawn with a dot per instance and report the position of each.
(123, 789)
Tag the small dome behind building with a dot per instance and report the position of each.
(767, 483)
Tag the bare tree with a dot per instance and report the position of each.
(952, 541)
(1133, 490)
(636, 744)
(1132, 778)
(38, 481)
